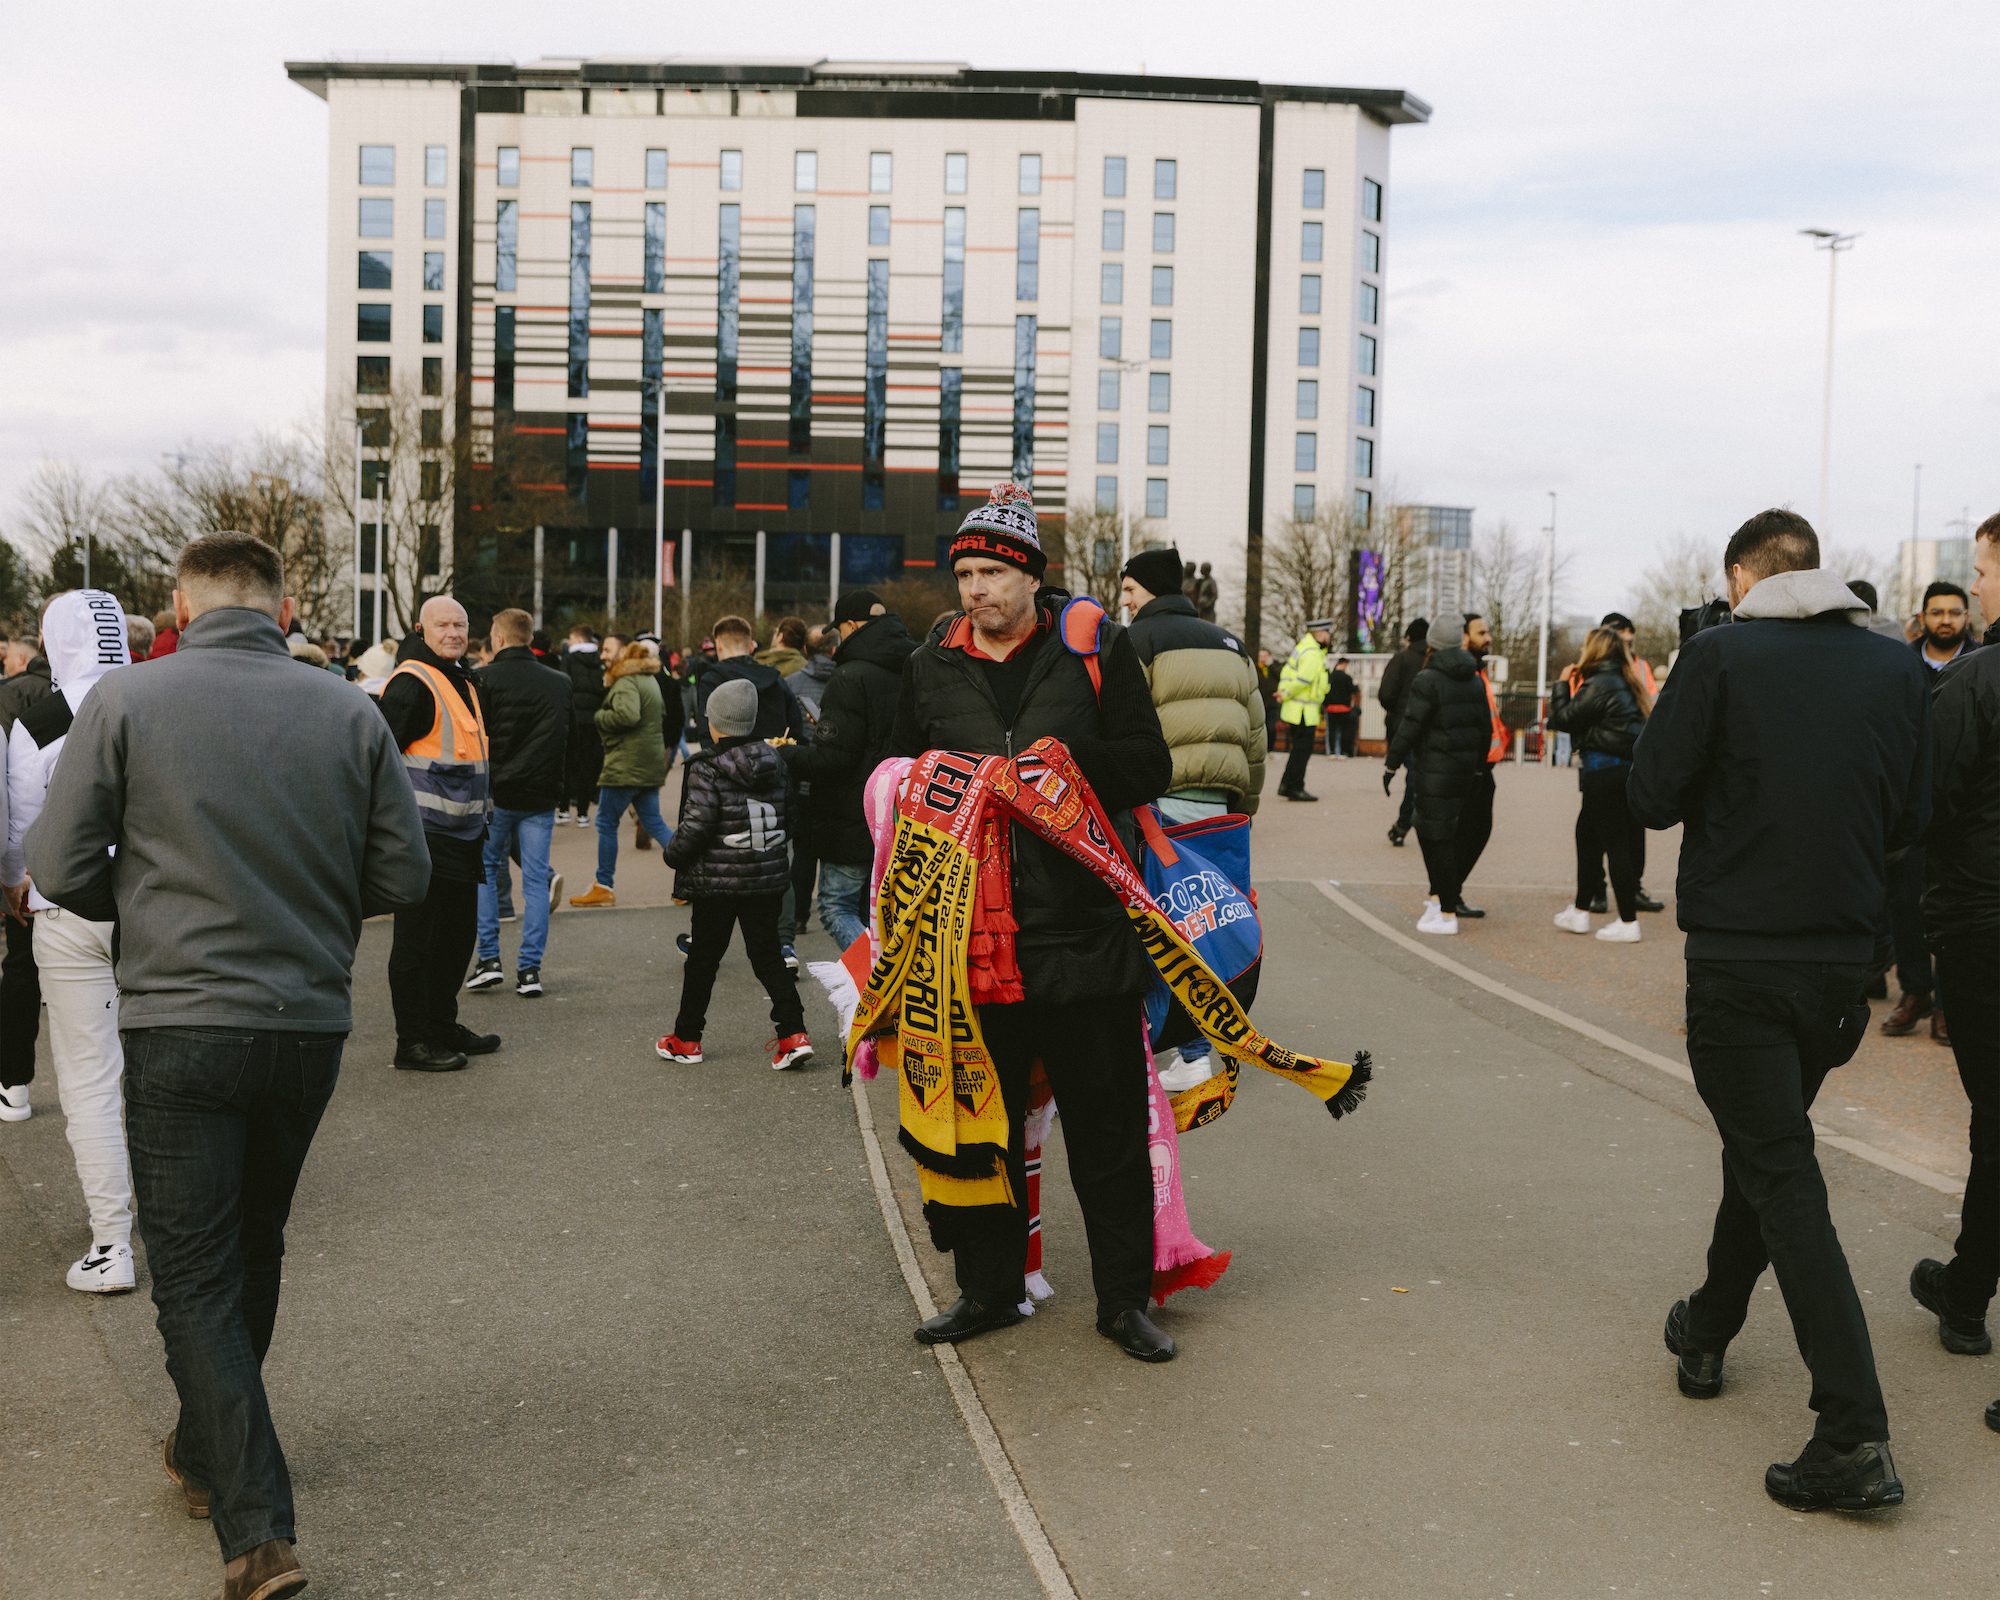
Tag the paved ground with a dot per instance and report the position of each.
(578, 1323)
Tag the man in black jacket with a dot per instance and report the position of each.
(1962, 918)
(583, 664)
(1394, 689)
(998, 679)
(527, 723)
(857, 714)
(1795, 749)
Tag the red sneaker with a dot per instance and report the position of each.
(687, 1051)
(794, 1050)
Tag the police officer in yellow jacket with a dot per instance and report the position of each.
(431, 704)
(1301, 692)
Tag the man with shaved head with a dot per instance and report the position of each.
(433, 708)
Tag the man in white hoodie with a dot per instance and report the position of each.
(83, 635)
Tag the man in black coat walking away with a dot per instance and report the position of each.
(1795, 748)
(857, 715)
(1393, 690)
(584, 664)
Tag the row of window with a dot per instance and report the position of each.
(1303, 499)
(1315, 194)
(378, 165)
(1113, 234)
(371, 323)
(377, 270)
(729, 170)
(371, 375)
(1307, 406)
(378, 219)
(1159, 390)
(1156, 444)
(1111, 285)
(1365, 354)
(1156, 495)
(1111, 339)
(1305, 453)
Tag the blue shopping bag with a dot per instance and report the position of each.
(1198, 874)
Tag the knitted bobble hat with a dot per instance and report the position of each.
(1003, 530)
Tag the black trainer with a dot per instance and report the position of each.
(1993, 1416)
(528, 983)
(1465, 910)
(487, 975)
(1700, 1371)
(1958, 1331)
(683, 943)
(474, 1044)
(1859, 1477)
(427, 1058)
(1134, 1333)
(1646, 902)
(1597, 907)
(1300, 794)
(1397, 836)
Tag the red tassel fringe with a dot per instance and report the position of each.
(1201, 1273)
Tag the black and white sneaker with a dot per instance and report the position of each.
(528, 983)
(684, 944)
(107, 1269)
(791, 960)
(487, 975)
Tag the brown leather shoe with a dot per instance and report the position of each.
(196, 1496)
(1910, 1010)
(1938, 1030)
(269, 1571)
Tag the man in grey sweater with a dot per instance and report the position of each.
(239, 853)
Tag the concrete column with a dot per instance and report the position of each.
(611, 575)
(833, 579)
(761, 541)
(538, 575)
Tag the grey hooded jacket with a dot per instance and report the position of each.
(259, 814)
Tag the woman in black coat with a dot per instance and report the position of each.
(1444, 733)
(1601, 703)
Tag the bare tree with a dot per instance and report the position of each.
(1685, 571)
(1091, 540)
(1507, 590)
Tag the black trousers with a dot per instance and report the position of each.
(1299, 747)
(20, 1005)
(1475, 823)
(1604, 827)
(714, 917)
(1966, 967)
(796, 916)
(427, 962)
(1096, 1064)
(586, 760)
(1441, 865)
(1906, 922)
(1761, 1037)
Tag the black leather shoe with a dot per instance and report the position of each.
(1134, 1333)
(1646, 902)
(1397, 836)
(963, 1318)
(1465, 910)
(1300, 794)
(464, 1040)
(1958, 1331)
(1700, 1371)
(1878, 987)
(1860, 1478)
(1993, 1416)
(428, 1058)
(1596, 907)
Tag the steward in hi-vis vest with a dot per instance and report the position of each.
(448, 765)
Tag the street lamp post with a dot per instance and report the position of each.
(1832, 243)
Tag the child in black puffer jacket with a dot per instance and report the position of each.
(730, 857)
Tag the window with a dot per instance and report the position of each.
(581, 162)
(878, 227)
(433, 324)
(1371, 199)
(1031, 175)
(881, 171)
(431, 429)
(1156, 445)
(728, 331)
(1107, 443)
(1027, 253)
(433, 272)
(1108, 388)
(1161, 346)
(430, 546)
(953, 339)
(1114, 177)
(433, 219)
(1364, 458)
(506, 242)
(732, 169)
(378, 164)
(374, 432)
(951, 430)
(430, 482)
(1305, 452)
(1315, 195)
(1026, 333)
(508, 166)
(1302, 502)
(1111, 283)
(579, 301)
(374, 272)
(805, 250)
(1307, 408)
(1308, 347)
(1111, 337)
(1309, 294)
(655, 280)
(1366, 365)
(1371, 303)
(371, 324)
(1114, 230)
(805, 171)
(1164, 173)
(1163, 286)
(1364, 508)
(1371, 251)
(371, 375)
(433, 166)
(1364, 406)
(378, 219)
(433, 376)
(1163, 232)
(954, 174)
(1156, 497)
(503, 358)
(1160, 391)
(1312, 237)
(656, 169)
(875, 390)
(1107, 493)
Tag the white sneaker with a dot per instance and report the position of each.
(1619, 933)
(1435, 921)
(555, 891)
(1572, 919)
(106, 1270)
(1184, 1075)
(14, 1105)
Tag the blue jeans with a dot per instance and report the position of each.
(611, 804)
(843, 895)
(527, 834)
(218, 1121)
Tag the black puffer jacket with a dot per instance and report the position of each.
(527, 725)
(1962, 849)
(778, 709)
(1444, 731)
(1397, 677)
(1603, 715)
(857, 715)
(731, 835)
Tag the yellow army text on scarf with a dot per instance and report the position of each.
(953, 1121)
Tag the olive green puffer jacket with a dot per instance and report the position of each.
(1206, 693)
(631, 723)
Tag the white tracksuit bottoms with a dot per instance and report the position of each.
(73, 957)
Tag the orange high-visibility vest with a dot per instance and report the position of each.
(1646, 677)
(1496, 749)
(448, 765)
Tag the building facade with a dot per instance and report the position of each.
(758, 305)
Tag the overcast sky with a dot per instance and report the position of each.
(1595, 280)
